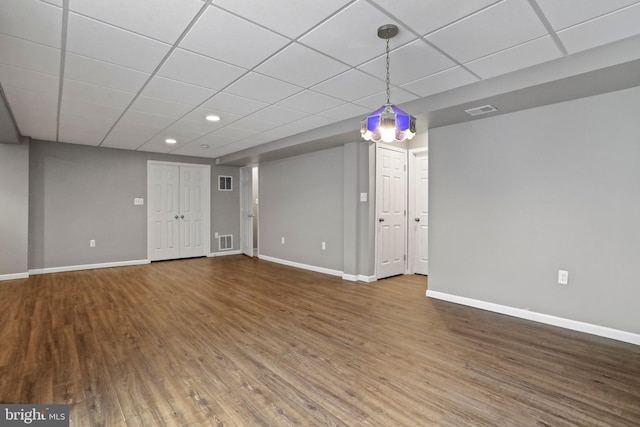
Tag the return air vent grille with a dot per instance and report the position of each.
(481, 110)
(225, 243)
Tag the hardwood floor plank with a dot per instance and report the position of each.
(236, 341)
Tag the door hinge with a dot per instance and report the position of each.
(405, 168)
(405, 257)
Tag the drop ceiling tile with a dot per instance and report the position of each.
(351, 85)
(199, 70)
(525, 55)
(175, 91)
(163, 20)
(92, 112)
(498, 27)
(190, 149)
(254, 125)
(311, 122)
(249, 142)
(262, 88)
(78, 133)
(32, 20)
(340, 38)
(408, 63)
(232, 133)
(75, 90)
(345, 111)
(157, 143)
(28, 79)
(441, 82)
(605, 29)
(100, 73)
(281, 132)
(198, 128)
(302, 66)
(83, 128)
(276, 14)
(31, 56)
(565, 13)
(214, 140)
(159, 107)
(26, 104)
(277, 115)
(398, 96)
(227, 103)
(310, 102)
(425, 16)
(226, 37)
(134, 129)
(58, 3)
(107, 43)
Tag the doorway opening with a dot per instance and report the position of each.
(249, 185)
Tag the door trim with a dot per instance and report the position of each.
(206, 202)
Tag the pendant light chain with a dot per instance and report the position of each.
(388, 76)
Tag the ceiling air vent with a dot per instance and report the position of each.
(481, 110)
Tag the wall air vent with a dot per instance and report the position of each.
(481, 110)
(225, 243)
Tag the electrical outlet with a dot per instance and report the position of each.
(92, 243)
(324, 246)
(283, 240)
(216, 235)
(563, 277)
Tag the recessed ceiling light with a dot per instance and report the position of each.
(170, 141)
(204, 146)
(213, 118)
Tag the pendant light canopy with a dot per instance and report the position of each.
(388, 123)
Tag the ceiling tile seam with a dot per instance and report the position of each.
(489, 6)
(63, 55)
(547, 25)
(155, 71)
(244, 18)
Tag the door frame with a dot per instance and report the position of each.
(411, 233)
(377, 205)
(243, 208)
(206, 202)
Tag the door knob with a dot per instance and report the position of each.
(380, 219)
(176, 217)
(417, 220)
(181, 216)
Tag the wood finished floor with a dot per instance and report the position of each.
(235, 341)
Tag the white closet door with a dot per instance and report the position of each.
(164, 212)
(178, 212)
(191, 212)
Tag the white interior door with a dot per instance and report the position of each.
(246, 211)
(191, 212)
(178, 210)
(391, 172)
(421, 213)
(164, 211)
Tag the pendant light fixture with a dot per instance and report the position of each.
(388, 123)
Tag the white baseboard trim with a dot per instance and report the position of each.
(350, 277)
(574, 325)
(88, 266)
(224, 253)
(302, 266)
(14, 276)
(367, 279)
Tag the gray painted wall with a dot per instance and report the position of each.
(78, 193)
(14, 207)
(301, 199)
(515, 198)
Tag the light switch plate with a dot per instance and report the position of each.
(363, 197)
(138, 201)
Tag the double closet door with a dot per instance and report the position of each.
(178, 210)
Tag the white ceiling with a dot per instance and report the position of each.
(131, 73)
